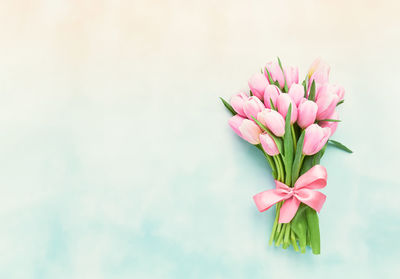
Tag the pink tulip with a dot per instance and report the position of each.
(282, 103)
(330, 124)
(296, 92)
(322, 89)
(326, 102)
(315, 138)
(246, 129)
(292, 75)
(252, 106)
(319, 88)
(257, 84)
(235, 122)
(269, 144)
(271, 92)
(307, 113)
(319, 71)
(250, 131)
(237, 102)
(338, 90)
(276, 73)
(273, 120)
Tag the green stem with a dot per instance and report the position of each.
(294, 139)
(279, 176)
(281, 234)
(279, 225)
(294, 241)
(279, 229)
(272, 165)
(270, 161)
(301, 161)
(286, 242)
(281, 168)
(274, 227)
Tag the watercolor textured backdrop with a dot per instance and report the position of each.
(117, 160)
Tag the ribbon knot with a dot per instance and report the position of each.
(302, 192)
(292, 192)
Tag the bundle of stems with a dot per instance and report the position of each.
(287, 166)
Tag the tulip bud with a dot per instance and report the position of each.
(338, 90)
(235, 122)
(315, 138)
(276, 73)
(330, 124)
(283, 103)
(292, 75)
(271, 93)
(245, 128)
(326, 102)
(257, 84)
(252, 106)
(237, 102)
(269, 144)
(306, 113)
(319, 71)
(296, 92)
(273, 121)
(250, 131)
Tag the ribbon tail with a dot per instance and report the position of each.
(288, 210)
(266, 199)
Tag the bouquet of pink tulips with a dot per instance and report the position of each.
(291, 123)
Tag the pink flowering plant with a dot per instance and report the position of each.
(291, 123)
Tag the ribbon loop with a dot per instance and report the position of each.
(314, 178)
(302, 192)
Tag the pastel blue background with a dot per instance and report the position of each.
(116, 160)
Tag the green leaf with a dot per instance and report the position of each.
(251, 93)
(299, 226)
(284, 77)
(339, 145)
(317, 157)
(312, 160)
(270, 161)
(313, 226)
(312, 91)
(298, 158)
(288, 147)
(228, 106)
(277, 140)
(304, 83)
(269, 76)
(331, 120)
(272, 104)
(340, 102)
(307, 164)
(260, 124)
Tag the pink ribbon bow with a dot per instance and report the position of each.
(302, 192)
